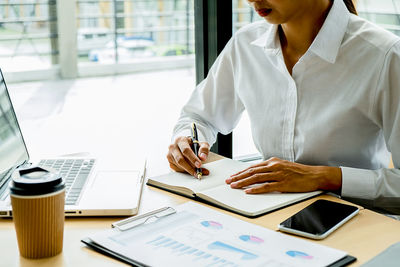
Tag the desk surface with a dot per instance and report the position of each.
(364, 236)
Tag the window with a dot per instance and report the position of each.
(243, 14)
(385, 13)
(106, 31)
(28, 34)
(134, 29)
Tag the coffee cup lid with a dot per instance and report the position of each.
(35, 181)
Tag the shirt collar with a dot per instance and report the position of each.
(327, 42)
(269, 40)
(329, 39)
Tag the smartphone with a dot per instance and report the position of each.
(319, 219)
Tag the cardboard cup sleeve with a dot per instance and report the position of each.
(39, 224)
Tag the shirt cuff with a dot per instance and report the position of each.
(186, 132)
(358, 183)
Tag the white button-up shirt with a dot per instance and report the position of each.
(340, 106)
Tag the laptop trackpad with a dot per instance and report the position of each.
(111, 187)
(121, 180)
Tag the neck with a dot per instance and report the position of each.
(298, 33)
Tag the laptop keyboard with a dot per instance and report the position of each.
(74, 172)
(4, 185)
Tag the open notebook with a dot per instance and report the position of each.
(213, 189)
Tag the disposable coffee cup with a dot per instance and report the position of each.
(37, 199)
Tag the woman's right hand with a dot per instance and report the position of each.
(181, 157)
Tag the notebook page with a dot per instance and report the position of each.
(220, 170)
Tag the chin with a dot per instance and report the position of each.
(275, 19)
(272, 21)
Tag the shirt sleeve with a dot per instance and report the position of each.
(214, 105)
(381, 188)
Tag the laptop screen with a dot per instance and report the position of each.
(12, 146)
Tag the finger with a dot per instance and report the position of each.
(188, 153)
(175, 168)
(261, 164)
(205, 171)
(204, 150)
(255, 179)
(273, 163)
(174, 150)
(172, 165)
(180, 162)
(247, 173)
(264, 188)
(240, 172)
(189, 140)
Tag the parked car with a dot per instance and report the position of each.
(171, 50)
(92, 38)
(128, 48)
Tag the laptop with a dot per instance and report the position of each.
(92, 189)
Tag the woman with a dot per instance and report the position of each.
(321, 87)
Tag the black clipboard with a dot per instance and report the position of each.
(343, 261)
(110, 253)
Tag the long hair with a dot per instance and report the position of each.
(350, 6)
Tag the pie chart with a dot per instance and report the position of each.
(298, 254)
(251, 239)
(212, 225)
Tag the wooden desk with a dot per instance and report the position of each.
(364, 236)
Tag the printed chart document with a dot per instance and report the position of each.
(213, 189)
(199, 236)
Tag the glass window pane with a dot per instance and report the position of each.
(242, 14)
(28, 36)
(385, 13)
(126, 31)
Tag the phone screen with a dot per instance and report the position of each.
(319, 217)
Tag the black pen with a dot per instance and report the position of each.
(196, 147)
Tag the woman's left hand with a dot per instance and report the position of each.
(285, 176)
